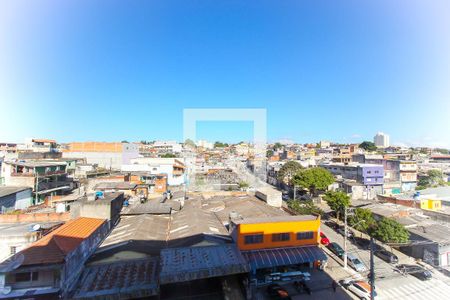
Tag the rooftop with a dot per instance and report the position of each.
(275, 219)
(186, 264)
(53, 247)
(145, 233)
(9, 190)
(36, 163)
(245, 206)
(115, 185)
(131, 279)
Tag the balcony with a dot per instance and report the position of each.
(18, 174)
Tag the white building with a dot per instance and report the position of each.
(172, 167)
(381, 140)
(205, 144)
(167, 147)
(38, 145)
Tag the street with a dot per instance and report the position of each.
(389, 283)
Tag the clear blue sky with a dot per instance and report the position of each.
(336, 70)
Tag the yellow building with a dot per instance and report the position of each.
(276, 232)
(430, 204)
(282, 248)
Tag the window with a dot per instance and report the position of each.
(307, 235)
(253, 239)
(280, 237)
(12, 250)
(369, 172)
(26, 276)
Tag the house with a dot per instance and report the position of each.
(38, 145)
(172, 167)
(370, 177)
(47, 178)
(403, 171)
(16, 236)
(14, 197)
(50, 267)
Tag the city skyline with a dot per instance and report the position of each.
(323, 71)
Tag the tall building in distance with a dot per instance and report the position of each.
(381, 140)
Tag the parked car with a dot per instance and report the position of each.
(355, 263)
(336, 249)
(323, 239)
(275, 291)
(416, 271)
(387, 256)
(341, 230)
(360, 288)
(332, 224)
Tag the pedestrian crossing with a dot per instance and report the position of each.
(419, 290)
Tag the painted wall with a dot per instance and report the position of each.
(267, 229)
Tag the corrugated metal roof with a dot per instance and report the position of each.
(267, 258)
(192, 263)
(120, 280)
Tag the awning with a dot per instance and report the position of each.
(267, 258)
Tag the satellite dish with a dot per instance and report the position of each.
(36, 227)
(12, 263)
(6, 290)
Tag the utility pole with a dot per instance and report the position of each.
(295, 191)
(36, 187)
(372, 271)
(345, 237)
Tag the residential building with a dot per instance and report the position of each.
(205, 144)
(162, 147)
(172, 167)
(403, 171)
(46, 178)
(16, 236)
(50, 267)
(367, 178)
(38, 145)
(381, 140)
(103, 154)
(14, 198)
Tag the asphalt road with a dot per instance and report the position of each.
(389, 283)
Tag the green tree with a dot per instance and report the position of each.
(125, 141)
(435, 177)
(390, 231)
(243, 185)
(269, 153)
(220, 145)
(168, 155)
(313, 179)
(337, 201)
(304, 207)
(189, 142)
(288, 170)
(368, 146)
(277, 146)
(362, 220)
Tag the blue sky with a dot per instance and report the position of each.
(336, 70)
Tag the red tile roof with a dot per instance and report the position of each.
(54, 247)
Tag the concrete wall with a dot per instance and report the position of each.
(105, 160)
(20, 241)
(37, 217)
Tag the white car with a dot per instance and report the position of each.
(359, 288)
(355, 263)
